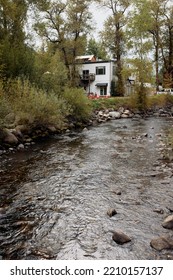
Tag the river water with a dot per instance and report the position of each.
(55, 196)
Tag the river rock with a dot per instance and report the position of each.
(17, 133)
(111, 212)
(118, 193)
(160, 243)
(20, 147)
(114, 115)
(159, 211)
(51, 129)
(168, 222)
(120, 238)
(10, 138)
(85, 129)
(124, 116)
(22, 129)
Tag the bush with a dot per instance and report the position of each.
(35, 107)
(138, 99)
(160, 101)
(4, 106)
(80, 105)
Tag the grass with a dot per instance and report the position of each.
(152, 102)
(112, 102)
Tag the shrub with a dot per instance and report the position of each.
(138, 99)
(80, 105)
(160, 100)
(35, 107)
(4, 106)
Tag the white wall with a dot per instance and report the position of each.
(99, 78)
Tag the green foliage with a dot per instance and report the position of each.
(4, 106)
(160, 101)
(16, 58)
(138, 100)
(66, 25)
(110, 103)
(35, 107)
(96, 48)
(51, 73)
(79, 103)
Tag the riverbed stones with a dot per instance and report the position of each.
(159, 211)
(10, 138)
(111, 212)
(114, 115)
(161, 243)
(51, 129)
(20, 147)
(120, 237)
(168, 222)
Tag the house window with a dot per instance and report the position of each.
(101, 70)
(103, 91)
(85, 74)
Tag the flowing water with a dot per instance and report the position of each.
(55, 196)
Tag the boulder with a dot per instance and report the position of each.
(168, 222)
(127, 112)
(114, 115)
(22, 129)
(161, 243)
(124, 116)
(120, 238)
(17, 133)
(10, 138)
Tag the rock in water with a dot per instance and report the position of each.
(120, 238)
(111, 212)
(168, 222)
(160, 243)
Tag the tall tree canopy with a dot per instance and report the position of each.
(15, 55)
(113, 34)
(151, 28)
(66, 24)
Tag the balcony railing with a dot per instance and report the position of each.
(88, 77)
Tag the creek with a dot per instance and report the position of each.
(55, 195)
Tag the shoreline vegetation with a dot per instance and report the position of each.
(28, 114)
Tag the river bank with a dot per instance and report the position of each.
(20, 137)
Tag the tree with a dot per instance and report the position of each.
(65, 24)
(156, 16)
(141, 46)
(50, 72)
(15, 56)
(167, 44)
(96, 48)
(113, 34)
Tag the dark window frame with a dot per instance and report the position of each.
(101, 70)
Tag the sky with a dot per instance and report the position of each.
(99, 16)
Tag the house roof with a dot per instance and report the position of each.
(86, 57)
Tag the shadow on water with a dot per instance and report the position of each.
(55, 196)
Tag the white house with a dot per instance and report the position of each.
(96, 75)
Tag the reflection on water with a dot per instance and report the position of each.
(55, 196)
